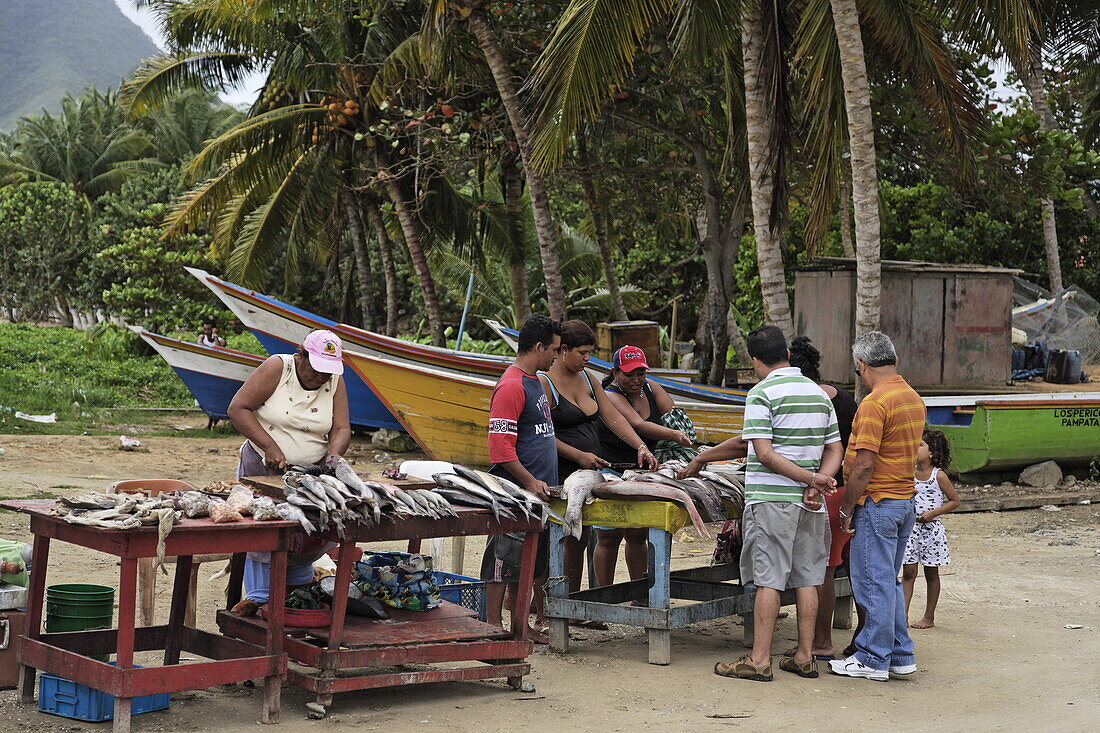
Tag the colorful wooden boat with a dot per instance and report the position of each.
(280, 327)
(447, 412)
(214, 375)
(1003, 432)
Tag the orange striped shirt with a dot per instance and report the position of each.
(889, 422)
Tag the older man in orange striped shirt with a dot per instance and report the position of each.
(878, 509)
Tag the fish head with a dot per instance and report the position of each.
(584, 480)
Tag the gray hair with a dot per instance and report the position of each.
(874, 349)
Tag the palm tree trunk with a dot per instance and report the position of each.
(389, 270)
(419, 261)
(362, 256)
(599, 226)
(1036, 89)
(540, 197)
(517, 260)
(861, 142)
(758, 122)
(845, 212)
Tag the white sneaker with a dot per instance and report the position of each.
(852, 667)
(903, 669)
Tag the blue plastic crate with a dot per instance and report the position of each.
(59, 696)
(462, 590)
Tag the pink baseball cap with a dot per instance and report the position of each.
(629, 358)
(325, 351)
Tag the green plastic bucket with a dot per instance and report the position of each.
(79, 607)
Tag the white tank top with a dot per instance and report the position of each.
(298, 419)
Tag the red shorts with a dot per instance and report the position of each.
(838, 540)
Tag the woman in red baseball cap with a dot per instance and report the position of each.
(642, 403)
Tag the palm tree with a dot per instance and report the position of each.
(283, 180)
(88, 144)
(181, 126)
(1024, 31)
(598, 216)
(473, 13)
(861, 137)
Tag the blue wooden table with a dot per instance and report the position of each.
(706, 586)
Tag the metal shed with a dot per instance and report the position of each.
(952, 324)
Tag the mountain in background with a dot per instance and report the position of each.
(49, 47)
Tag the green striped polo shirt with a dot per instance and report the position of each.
(798, 418)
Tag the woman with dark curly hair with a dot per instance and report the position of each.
(927, 544)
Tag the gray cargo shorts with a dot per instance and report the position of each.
(783, 547)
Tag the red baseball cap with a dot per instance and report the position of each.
(629, 358)
(325, 352)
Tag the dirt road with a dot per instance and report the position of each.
(999, 658)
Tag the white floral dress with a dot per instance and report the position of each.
(928, 542)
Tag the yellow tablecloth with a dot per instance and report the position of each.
(630, 514)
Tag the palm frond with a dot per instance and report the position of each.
(589, 54)
(162, 77)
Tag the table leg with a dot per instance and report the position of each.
(273, 684)
(558, 588)
(147, 584)
(414, 546)
(842, 612)
(236, 580)
(192, 595)
(344, 566)
(749, 620)
(178, 609)
(40, 561)
(660, 557)
(124, 652)
(522, 604)
(458, 554)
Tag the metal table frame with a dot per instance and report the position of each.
(502, 653)
(714, 598)
(65, 654)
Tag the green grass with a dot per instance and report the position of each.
(44, 370)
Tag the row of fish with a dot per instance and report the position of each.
(121, 511)
(318, 500)
(711, 492)
(505, 498)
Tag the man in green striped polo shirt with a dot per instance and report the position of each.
(794, 450)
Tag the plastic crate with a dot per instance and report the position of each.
(463, 590)
(59, 696)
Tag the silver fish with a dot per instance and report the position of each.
(578, 492)
(461, 497)
(463, 484)
(294, 514)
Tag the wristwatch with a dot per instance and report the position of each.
(843, 515)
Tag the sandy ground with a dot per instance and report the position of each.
(999, 658)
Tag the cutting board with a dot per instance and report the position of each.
(273, 485)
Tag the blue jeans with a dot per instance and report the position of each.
(878, 547)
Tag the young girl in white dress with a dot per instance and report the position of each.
(927, 545)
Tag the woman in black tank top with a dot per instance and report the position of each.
(577, 407)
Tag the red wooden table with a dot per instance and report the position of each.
(449, 633)
(65, 654)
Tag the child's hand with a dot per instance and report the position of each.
(925, 517)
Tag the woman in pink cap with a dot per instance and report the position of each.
(293, 410)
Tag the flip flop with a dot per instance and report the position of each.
(819, 657)
(594, 625)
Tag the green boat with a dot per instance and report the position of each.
(1004, 432)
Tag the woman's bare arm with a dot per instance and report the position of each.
(242, 408)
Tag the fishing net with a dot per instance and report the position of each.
(1066, 322)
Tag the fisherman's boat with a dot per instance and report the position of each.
(1010, 431)
(213, 375)
(280, 327)
(447, 412)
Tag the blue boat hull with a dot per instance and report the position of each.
(213, 393)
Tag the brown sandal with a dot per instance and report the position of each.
(802, 669)
(744, 669)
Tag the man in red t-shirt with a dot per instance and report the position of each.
(523, 448)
